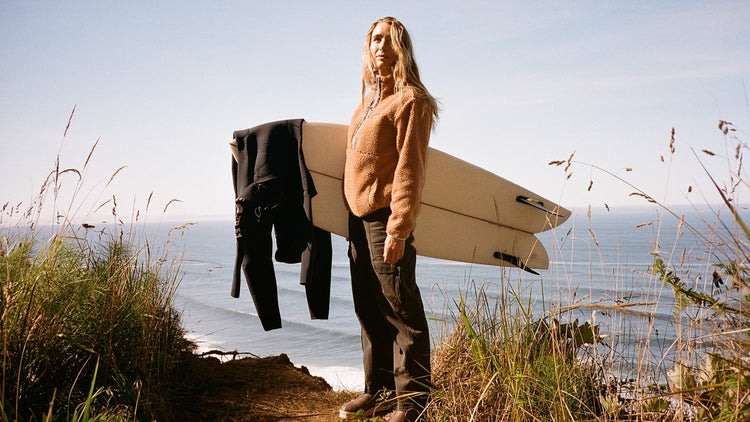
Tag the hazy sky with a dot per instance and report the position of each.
(164, 84)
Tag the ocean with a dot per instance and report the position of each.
(601, 258)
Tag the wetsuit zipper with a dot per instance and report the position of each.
(373, 104)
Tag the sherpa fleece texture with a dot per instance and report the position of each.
(385, 163)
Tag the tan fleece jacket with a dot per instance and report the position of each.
(386, 156)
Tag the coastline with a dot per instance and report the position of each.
(340, 378)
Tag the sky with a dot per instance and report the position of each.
(162, 86)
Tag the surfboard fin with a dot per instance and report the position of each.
(513, 260)
(536, 204)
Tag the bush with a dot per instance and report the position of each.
(69, 306)
(498, 364)
(86, 320)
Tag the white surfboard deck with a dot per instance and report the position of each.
(467, 214)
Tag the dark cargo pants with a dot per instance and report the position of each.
(395, 335)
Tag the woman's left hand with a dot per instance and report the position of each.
(393, 250)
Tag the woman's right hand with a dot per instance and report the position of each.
(393, 250)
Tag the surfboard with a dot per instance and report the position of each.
(467, 214)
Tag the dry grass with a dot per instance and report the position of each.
(504, 361)
(86, 321)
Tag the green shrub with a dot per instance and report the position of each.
(69, 306)
(87, 328)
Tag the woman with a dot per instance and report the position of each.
(383, 178)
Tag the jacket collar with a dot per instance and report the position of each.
(386, 85)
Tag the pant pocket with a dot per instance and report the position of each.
(392, 286)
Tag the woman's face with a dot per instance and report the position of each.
(381, 49)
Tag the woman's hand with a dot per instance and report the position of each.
(393, 250)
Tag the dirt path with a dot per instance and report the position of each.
(252, 389)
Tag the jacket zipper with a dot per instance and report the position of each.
(373, 104)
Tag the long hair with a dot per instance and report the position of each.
(405, 71)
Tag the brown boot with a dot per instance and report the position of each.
(366, 405)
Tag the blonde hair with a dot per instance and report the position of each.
(405, 71)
